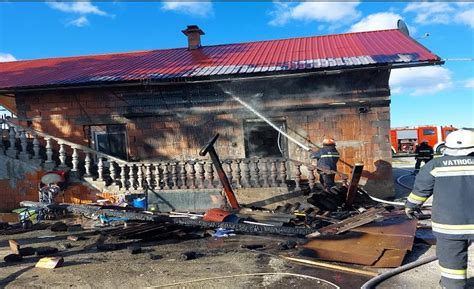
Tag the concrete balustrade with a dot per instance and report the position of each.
(115, 175)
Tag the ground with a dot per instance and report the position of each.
(160, 264)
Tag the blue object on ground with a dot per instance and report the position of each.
(139, 203)
(221, 232)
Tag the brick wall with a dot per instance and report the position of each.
(173, 122)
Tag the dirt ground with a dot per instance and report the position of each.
(221, 263)
(160, 264)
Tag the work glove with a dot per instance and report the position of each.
(413, 213)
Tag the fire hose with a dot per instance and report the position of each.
(376, 280)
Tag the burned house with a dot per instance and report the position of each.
(126, 121)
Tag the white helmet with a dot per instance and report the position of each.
(460, 142)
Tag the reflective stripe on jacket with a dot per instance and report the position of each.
(451, 180)
(424, 152)
(327, 157)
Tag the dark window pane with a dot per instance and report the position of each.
(428, 132)
(261, 140)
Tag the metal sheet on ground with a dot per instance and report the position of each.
(382, 244)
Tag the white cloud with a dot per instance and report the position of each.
(466, 17)
(420, 80)
(430, 12)
(82, 7)
(199, 9)
(469, 83)
(442, 12)
(80, 22)
(377, 21)
(6, 57)
(329, 12)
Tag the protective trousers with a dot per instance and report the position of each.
(452, 256)
(327, 180)
(418, 163)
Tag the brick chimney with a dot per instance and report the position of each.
(193, 32)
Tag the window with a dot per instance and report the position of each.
(110, 139)
(262, 140)
(428, 131)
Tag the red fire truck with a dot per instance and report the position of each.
(405, 139)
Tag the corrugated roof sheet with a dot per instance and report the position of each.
(275, 56)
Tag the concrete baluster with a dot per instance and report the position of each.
(283, 175)
(166, 176)
(238, 176)
(112, 172)
(263, 165)
(131, 177)
(75, 160)
(87, 164)
(36, 149)
(12, 151)
(256, 173)
(123, 177)
(273, 173)
(298, 176)
(174, 176)
(157, 177)
(201, 172)
(140, 176)
(49, 164)
(246, 173)
(148, 178)
(24, 155)
(210, 175)
(229, 172)
(100, 169)
(192, 175)
(183, 174)
(62, 157)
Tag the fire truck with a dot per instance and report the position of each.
(405, 139)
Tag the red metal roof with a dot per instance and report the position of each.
(385, 47)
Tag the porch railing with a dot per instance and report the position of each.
(117, 175)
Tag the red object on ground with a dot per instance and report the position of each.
(215, 215)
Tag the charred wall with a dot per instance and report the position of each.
(174, 121)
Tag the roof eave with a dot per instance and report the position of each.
(227, 78)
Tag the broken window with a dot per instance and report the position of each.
(262, 140)
(110, 139)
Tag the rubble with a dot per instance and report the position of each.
(134, 249)
(12, 258)
(191, 255)
(50, 262)
(75, 238)
(27, 251)
(58, 227)
(43, 251)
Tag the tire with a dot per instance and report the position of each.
(440, 149)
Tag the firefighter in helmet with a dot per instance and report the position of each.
(327, 158)
(423, 153)
(450, 179)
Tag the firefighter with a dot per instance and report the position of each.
(450, 179)
(423, 153)
(327, 158)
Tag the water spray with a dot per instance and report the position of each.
(306, 148)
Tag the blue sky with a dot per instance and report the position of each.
(431, 95)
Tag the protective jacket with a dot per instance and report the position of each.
(424, 152)
(451, 180)
(327, 157)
